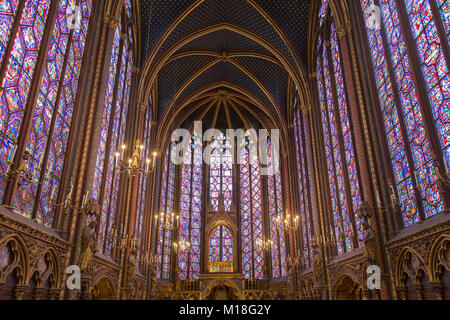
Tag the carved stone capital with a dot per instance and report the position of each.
(111, 22)
(19, 291)
(343, 30)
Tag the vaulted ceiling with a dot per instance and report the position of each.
(196, 50)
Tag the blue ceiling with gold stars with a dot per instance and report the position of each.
(290, 18)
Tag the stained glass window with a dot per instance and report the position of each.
(221, 245)
(444, 8)
(221, 172)
(407, 138)
(98, 174)
(167, 216)
(52, 115)
(143, 180)
(437, 79)
(339, 147)
(115, 140)
(46, 122)
(8, 10)
(323, 11)
(276, 213)
(112, 137)
(16, 83)
(251, 212)
(304, 181)
(129, 8)
(190, 212)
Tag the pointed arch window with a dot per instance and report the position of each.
(221, 172)
(408, 107)
(276, 213)
(8, 10)
(344, 183)
(251, 212)
(305, 176)
(52, 112)
(221, 245)
(190, 210)
(143, 203)
(129, 8)
(323, 11)
(167, 215)
(107, 176)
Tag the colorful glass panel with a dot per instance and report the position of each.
(221, 172)
(348, 150)
(16, 83)
(345, 232)
(307, 229)
(410, 109)
(276, 213)
(329, 158)
(167, 216)
(143, 180)
(8, 10)
(251, 213)
(190, 208)
(221, 245)
(106, 118)
(437, 79)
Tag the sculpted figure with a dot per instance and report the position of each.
(88, 241)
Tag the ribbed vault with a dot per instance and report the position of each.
(229, 53)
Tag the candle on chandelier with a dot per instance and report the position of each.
(122, 148)
(69, 195)
(49, 171)
(117, 159)
(13, 154)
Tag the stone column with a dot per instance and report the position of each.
(362, 139)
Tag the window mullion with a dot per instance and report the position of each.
(307, 195)
(333, 165)
(422, 91)
(404, 130)
(111, 123)
(165, 211)
(52, 125)
(191, 196)
(29, 108)
(298, 141)
(441, 31)
(11, 39)
(351, 213)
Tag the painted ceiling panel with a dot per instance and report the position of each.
(224, 71)
(157, 16)
(173, 75)
(292, 17)
(236, 12)
(272, 76)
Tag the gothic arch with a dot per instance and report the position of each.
(438, 262)
(162, 136)
(218, 283)
(152, 68)
(103, 289)
(13, 247)
(347, 287)
(47, 268)
(409, 264)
